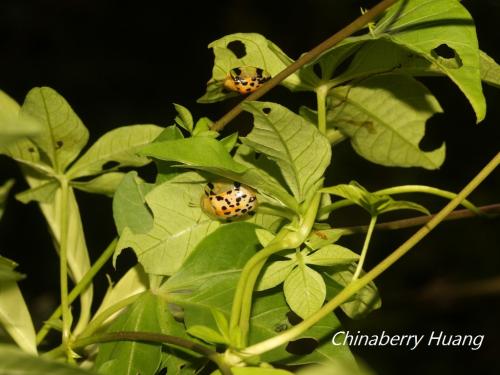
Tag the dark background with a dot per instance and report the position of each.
(122, 63)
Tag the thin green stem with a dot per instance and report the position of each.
(99, 320)
(306, 58)
(63, 266)
(362, 257)
(334, 136)
(79, 288)
(355, 286)
(403, 189)
(321, 92)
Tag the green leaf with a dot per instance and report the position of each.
(264, 236)
(274, 274)
(169, 133)
(331, 255)
(105, 184)
(320, 238)
(134, 281)
(490, 70)
(207, 334)
(196, 152)
(15, 362)
(296, 145)
(15, 317)
(203, 126)
(178, 225)
(305, 291)
(184, 118)
(385, 117)
(44, 193)
(166, 170)
(422, 26)
(132, 357)
(12, 127)
(259, 53)
(270, 316)
(375, 204)
(7, 272)
(222, 253)
(4, 194)
(362, 303)
(129, 205)
(230, 141)
(210, 155)
(63, 134)
(117, 147)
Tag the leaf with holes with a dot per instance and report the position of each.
(240, 50)
(178, 225)
(63, 134)
(132, 357)
(443, 32)
(44, 193)
(117, 147)
(296, 145)
(129, 205)
(304, 290)
(385, 118)
(490, 70)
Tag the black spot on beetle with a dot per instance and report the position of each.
(248, 90)
(224, 208)
(236, 184)
(238, 48)
(219, 198)
(259, 72)
(237, 210)
(210, 186)
(244, 210)
(252, 199)
(227, 213)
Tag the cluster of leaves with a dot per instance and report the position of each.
(190, 265)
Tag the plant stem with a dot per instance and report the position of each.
(362, 258)
(79, 288)
(350, 29)
(63, 267)
(402, 190)
(98, 321)
(334, 136)
(355, 286)
(321, 92)
(488, 211)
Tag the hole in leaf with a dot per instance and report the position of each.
(266, 110)
(59, 144)
(110, 164)
(280, 327)
(257, 155)
(302, 346)
(342, 67)
(435, 132)
(31, 149)
(317, 70)
(293, 318)
(163, 371)
(238, 48)
(447, 56)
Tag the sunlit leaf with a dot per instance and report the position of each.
(117, 148)
(385, 118)
(63, 134)
(443, 32)
(274, 274)
(132, 357)
(490, 70)
(305, 291)
(44, 193)
(184, 117)
(15, 317)
(331, 255)
(299, 149)
(178, 225)
(105, 184)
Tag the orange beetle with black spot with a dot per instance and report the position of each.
(246, 79)
(225, 200)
